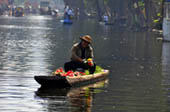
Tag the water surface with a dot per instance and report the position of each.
(37, 45)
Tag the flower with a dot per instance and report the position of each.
(59, 71)
(90, 61)
(82, 73)
(70, 73)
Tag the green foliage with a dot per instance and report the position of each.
(145, 12)
(85, 2)
(105, 1)
(159, 14)
(87, 72)
(156, 21)
(98, 70)
(141, 4)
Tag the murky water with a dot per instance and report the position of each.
(33, 45)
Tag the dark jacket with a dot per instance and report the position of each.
(76, 52)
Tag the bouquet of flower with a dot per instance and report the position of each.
(70, 73)
(89, 62)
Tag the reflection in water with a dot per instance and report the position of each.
(166, 62)
(16, 47)
(21, 27)
(166, 70)
(21, 54)
(78, 99)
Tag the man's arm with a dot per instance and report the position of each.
(74, 55)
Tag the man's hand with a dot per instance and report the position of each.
(84, 61)
(80, 60)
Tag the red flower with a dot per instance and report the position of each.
(90, 61)
(82, 73)
(70, 73)
(63, 74)
(59, 71)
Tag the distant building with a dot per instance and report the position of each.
(3, 2)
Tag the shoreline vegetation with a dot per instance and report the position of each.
(133, 14)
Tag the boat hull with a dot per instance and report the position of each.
(67, 21)
(61, 81)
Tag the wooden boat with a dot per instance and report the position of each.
(19, 12)
(69, 91)
(62, 81)
(67, 21)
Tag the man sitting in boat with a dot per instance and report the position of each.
(80, 53)
(68, 13)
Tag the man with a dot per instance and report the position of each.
(80, 52)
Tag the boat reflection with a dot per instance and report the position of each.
(75, 99)
(166, 63)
